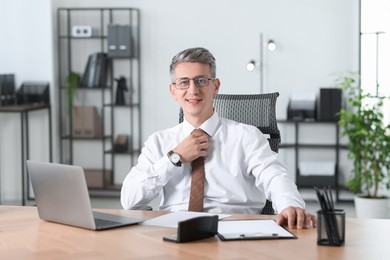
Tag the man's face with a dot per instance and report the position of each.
(197, 102)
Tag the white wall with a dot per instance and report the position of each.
(316, 39)
(26, 49)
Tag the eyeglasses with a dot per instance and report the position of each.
(184, 83)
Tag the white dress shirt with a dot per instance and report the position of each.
(241, 171)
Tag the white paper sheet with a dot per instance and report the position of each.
(173, 219)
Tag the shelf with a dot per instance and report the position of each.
(94, 37)
(123, 153)
(86, 138)
(89, 88)
(319, 146)
(286, 146)
(112, 191)
(308, 181)
(122, 106)
(99, 112)
(305, 121)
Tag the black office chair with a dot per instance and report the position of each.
(258, 110)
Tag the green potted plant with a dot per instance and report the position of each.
(369, 146)
(71, 84)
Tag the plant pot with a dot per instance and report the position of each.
(372, 207)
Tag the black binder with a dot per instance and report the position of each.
(95, 73)
(7, 89)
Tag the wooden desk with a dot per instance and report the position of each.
(24, 236)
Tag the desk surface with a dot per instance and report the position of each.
(24, 236)
(23, 108)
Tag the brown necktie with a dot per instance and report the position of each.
(197, 183)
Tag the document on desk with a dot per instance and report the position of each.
(251, 230)
(173, 219)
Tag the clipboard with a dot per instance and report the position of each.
(246, 236)
(259, 229)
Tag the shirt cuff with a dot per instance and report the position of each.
(165, 169)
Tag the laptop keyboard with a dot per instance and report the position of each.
(104, 222)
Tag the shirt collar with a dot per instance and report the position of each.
(209, 126)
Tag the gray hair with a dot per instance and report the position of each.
(201, 55)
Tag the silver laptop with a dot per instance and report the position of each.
(61, 195)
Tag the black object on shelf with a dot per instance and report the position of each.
(329, 104)
(301, 110)
(120, 91)
(33, 93)
(121, 143)
(95, 73)
(7, 89)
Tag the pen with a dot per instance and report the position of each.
(330, 222)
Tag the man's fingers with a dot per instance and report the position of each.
(291, 218)
(296, 218)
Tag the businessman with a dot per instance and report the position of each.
(240, 170)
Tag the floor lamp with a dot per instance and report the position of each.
(271, 46)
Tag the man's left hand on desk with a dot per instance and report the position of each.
(296, 217)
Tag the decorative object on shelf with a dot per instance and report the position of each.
(121, 143)
(95, 73)
(82, 31)
(369, 142)
(120, 91)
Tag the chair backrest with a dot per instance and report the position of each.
(258, 110)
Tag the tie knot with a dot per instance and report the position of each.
(198, 131)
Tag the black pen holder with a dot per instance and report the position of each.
(330, 227)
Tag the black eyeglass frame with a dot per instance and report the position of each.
(195, 82)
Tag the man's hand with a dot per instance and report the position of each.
(193, 146)
(296, 217)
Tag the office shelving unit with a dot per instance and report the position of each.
(97, 155)
(308, 181)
